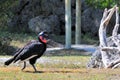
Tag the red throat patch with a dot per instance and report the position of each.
(43, 39)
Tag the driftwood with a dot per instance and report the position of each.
(105, 49)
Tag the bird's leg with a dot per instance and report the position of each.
(34, 67)
(24, 66)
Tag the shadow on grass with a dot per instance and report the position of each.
(59, 71)
(33, 71)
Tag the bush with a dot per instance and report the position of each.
(103, 3)
(5, 49)
(6, 14)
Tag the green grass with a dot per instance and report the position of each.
(14, 74)
(59, 71)
(60, 74)
(71, 62)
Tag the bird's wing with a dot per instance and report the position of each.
(29, 52)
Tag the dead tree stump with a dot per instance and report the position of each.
(108, 53)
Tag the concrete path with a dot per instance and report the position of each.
(87, 48)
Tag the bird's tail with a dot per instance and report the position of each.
(9, 61)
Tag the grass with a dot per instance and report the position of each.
(71, 62)
(13, 73)
(59, 71)
(52, 74)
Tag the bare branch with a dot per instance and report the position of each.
(115, 30)
(115, 66)
(105, 13)
(109, 48)
(106, 21)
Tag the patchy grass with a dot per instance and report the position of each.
(13, 73)
(59, 71)
(71, 62)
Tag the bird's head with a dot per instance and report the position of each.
(43, 37)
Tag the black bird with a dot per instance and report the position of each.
(31, 51)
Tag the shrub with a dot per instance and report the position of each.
(103, 3)
(5, 49)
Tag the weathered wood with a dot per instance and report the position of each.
(109, 48)
(114, 34)
(102, 35)
(104, 48)
(115, 30)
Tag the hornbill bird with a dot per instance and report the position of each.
(31, 51)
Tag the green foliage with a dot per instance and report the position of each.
(103, 3)
(10, 41)
(4, 43)
(6, 12)
(86, 39)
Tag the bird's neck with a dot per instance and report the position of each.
(42, 40)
